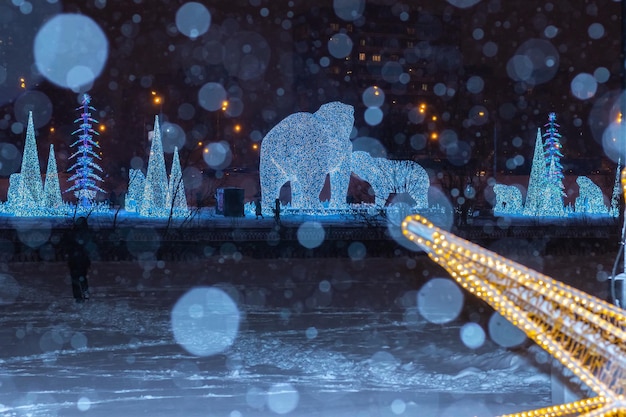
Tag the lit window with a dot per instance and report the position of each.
(361, 56)
(424, 87)
(334, 26)
(376, 58)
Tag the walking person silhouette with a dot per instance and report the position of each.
(78, 259)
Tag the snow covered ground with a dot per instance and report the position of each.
(298, 337)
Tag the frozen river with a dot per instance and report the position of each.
(299, 337)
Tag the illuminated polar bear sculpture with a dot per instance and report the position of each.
(303, 148)
(508, 199)
(590, 199)
(387, 176)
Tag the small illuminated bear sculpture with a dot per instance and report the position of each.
(302, 149)
(508, 200)
(590, 198)
(387, 176)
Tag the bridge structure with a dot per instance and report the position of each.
(584, 333)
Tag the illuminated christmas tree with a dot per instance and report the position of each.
(136, 185)
(553, 155)
(84, 177)
(617, 191)
(534, 194)
(51, 188)
(154, 201)
(176, 189)
(551, 204)
(30, 175)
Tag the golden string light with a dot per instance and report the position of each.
(585, 334)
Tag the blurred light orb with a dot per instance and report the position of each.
(172, 135)
(475, 84)
(217, 155)
(601, 74)
(10, 159)
(373, 116)
(311, 333)
(613, 142)
(595, 30)
(311, 234)
(9, 289)
(472, 335)
(391, 71)
(71, 51)
(536, 61)
(205, 321)
(504, 333)
(193, 19)
(212, 96)
(83, 404)
(349, 10)
(550, 31)
(440, 300)
(357, 251)
(33, 101)
(398, 407)
(463, 4)
(186, 111)
(584, 86)
(373, 97)
(282, 398)
(340, 45)
(256, 398)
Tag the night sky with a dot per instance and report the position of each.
(516, 61)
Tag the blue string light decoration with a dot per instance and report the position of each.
(617, 191)
(590, 199)
(176, 198)
(154, 199)
(136, 186)
(85, 177)
(552, 197)
(29, 182)
(302, 149)
(536, 182)
(508, 200)
(52, 188)
(387, 176)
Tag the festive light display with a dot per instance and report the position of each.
(52, 189)
(30, 175)
(585, 334)
(536, 180)
(136, 186)
(508, 200)
(614, 209)
(302, 149)
(15, 193)
(176, 198)
(552, 146)
(590, 199)
(85, 177)
(390, 176)
(551, 204)
(154, 199)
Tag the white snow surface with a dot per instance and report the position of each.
(116, 354)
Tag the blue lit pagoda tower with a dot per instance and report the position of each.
(85, 176)
(154, 202)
